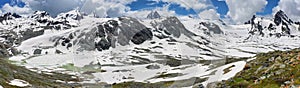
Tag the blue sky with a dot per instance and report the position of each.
(11, 2)
(220, 6)
(144, 4)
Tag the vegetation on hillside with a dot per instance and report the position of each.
(277, 69)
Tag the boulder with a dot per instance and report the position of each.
(37, 51)
(58, 52)
(152, 67)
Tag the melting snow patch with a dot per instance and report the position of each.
(19, 83)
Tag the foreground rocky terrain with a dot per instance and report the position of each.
(276, 69)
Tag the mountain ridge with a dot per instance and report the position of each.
(166, 48)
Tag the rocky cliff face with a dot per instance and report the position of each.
(170, 26)
(103, 36)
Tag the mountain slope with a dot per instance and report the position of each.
(273, 69)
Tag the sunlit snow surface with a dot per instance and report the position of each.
(19, 83)
(116, 62)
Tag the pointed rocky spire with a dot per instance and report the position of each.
(281, 17)
(153, 15)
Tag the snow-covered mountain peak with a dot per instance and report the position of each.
(73, 14)
(40, 15)
(281, 17)
(153, 15)
(127, 47)
(279, 26)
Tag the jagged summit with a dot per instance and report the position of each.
(9, 16)
(281, 25)
(39, 14)
(73, 14)
(153, 15)
(281, 17)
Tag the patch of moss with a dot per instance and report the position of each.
(87, 68)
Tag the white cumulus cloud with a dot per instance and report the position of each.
(196, 5)
(16, 9)
(290, 7)
(54, 7)
(110, 8)
(142, 14)
(204, 8)
(242, 10)
(210, 14)
(103, 8)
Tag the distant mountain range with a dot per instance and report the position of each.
(156, 49)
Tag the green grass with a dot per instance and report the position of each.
(87, 68)
(275, 76)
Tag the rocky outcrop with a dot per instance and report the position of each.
(211, 27)
(8, 16)
(29, 33)
(170, 26)
(281, 17)
(7, 50)
(103, 44)
(281, 26)
(41, 16)
(142, 36)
